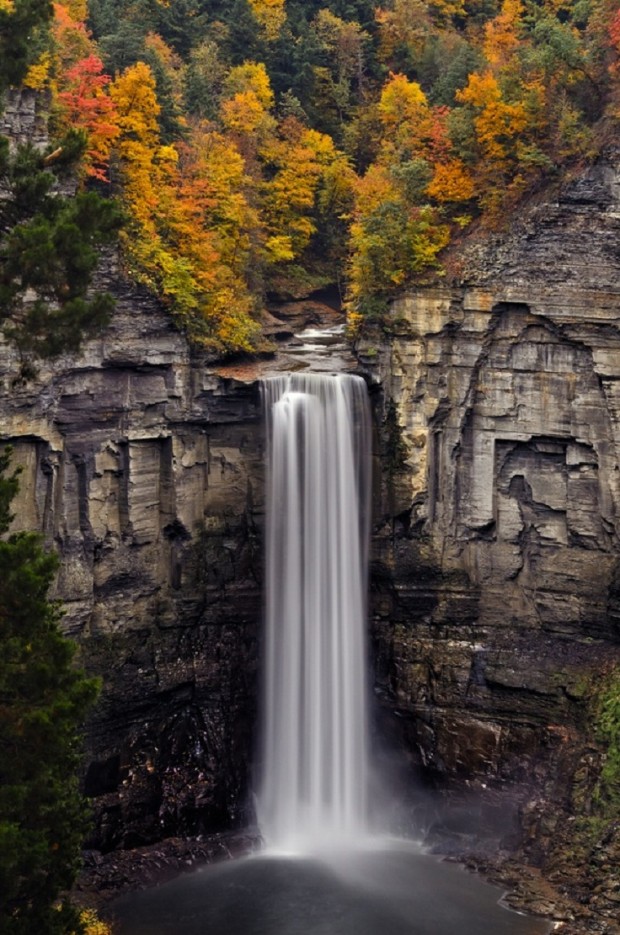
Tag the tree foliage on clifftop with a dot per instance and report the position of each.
(49, 240)
(43, 700)
(263, 146)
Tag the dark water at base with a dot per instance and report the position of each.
(396, 891)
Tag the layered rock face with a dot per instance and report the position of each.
(143, 469)
(496, 564)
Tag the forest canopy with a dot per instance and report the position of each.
(272, 147)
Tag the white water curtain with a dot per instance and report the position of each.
(313, 789)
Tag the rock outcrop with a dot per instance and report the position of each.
(142, 466)
(496, 562)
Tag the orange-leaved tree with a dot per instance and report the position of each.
(83, 103)
(167, 243)
(498, 125)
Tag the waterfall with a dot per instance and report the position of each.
(313, 788)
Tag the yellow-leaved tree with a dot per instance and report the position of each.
(297, 161)
(393, 241)
(398, 226)
(168, 242)
(246, 110)
(271, 15)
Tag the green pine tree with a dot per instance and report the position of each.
(49, 249)
(43, 700)
(23, 32)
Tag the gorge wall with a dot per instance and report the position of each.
(143, 468)
(496, 567)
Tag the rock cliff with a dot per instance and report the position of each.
(496, 565)
(143, 468)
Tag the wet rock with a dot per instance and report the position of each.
(104, 878)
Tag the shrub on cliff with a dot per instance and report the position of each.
(608, 731)
(43, 699)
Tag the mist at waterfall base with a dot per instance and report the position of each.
(325, 869)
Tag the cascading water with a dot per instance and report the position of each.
(313, 789)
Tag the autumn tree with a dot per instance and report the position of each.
(404, 112)
(271, 15)
(498, 125)
(168, 243)
(392, 242)
(145, 167)
(297, 160)
(222, 225)
(502, 35)
(83, 103)
(246, 109)
(71, 38)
